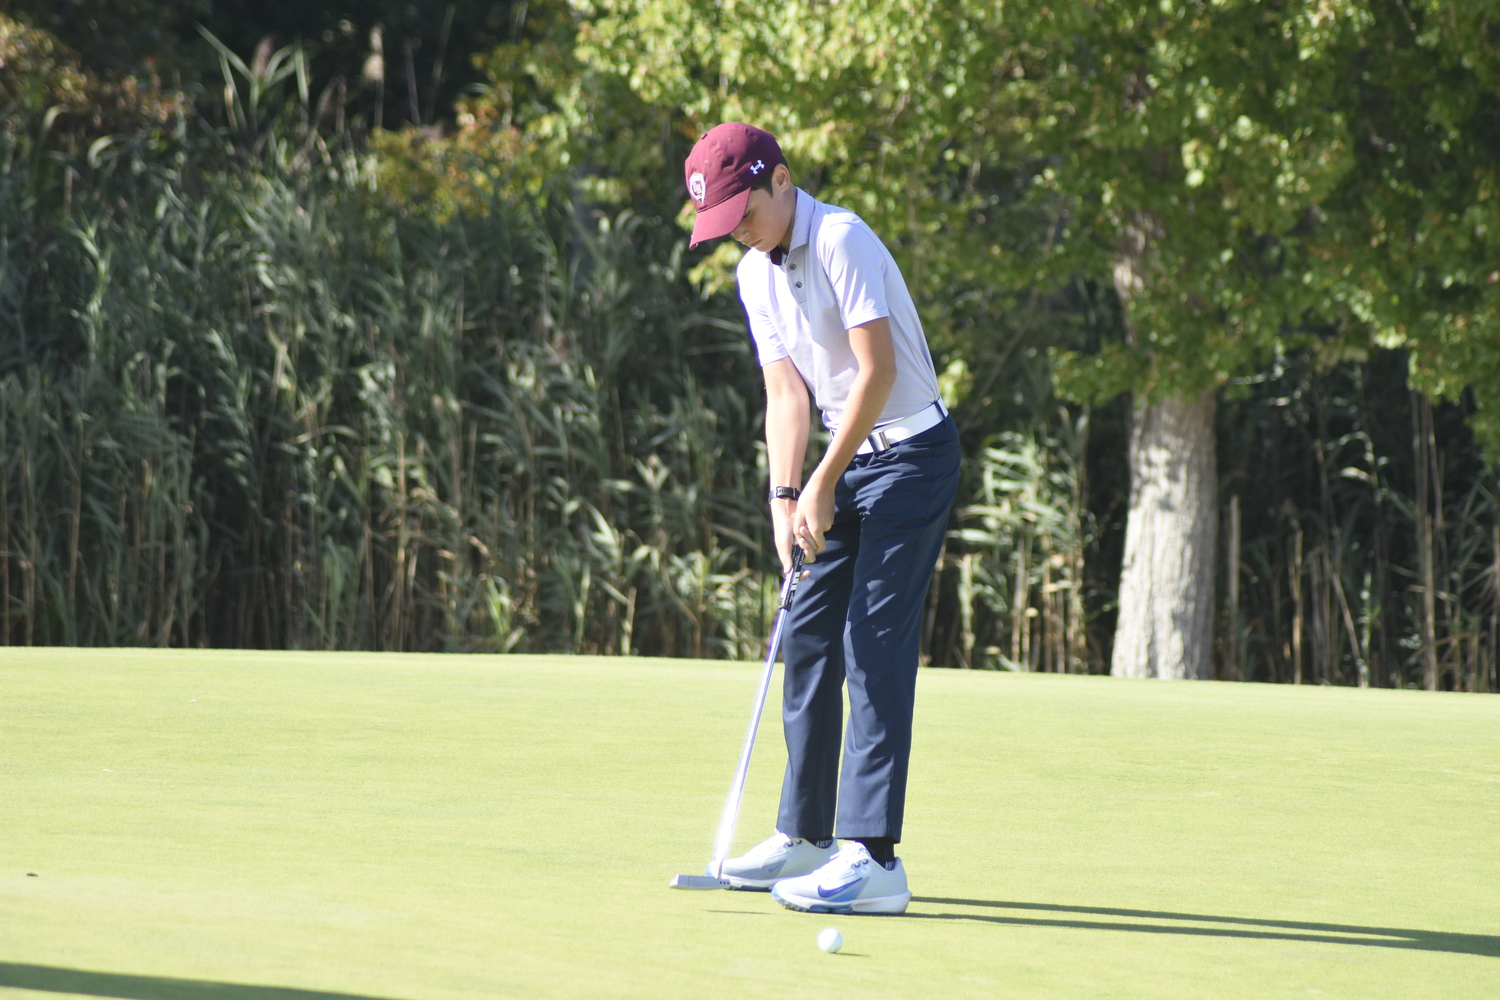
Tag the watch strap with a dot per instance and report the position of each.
(785, 493)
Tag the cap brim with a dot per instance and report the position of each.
(721, 220)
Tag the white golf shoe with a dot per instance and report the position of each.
(775, 858)
(850, 883)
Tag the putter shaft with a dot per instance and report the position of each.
(731, 812)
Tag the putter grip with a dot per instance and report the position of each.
(789, 588)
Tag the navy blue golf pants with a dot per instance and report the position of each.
(858, 618)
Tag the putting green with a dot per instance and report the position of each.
(258, 826)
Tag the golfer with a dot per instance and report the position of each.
(830, 314)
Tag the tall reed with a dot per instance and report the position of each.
(249, 405)
(1018, 556)
(1369, 543)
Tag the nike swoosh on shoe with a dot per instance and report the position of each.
(839, 889)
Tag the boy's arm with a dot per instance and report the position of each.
(787, 428)
(813, 511)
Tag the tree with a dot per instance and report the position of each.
(1179, 148)
(1194, 144)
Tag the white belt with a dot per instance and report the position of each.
(885, 435)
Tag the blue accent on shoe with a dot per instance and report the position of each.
(840, 890)
(836, 908)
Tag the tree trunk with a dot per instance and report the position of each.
(1232, 671)
(1423, 445)
(1167, 582)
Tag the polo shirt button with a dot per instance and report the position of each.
(799, 284)
(791, 267)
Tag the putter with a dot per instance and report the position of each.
(737, 787)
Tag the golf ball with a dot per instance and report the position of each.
(830, 940)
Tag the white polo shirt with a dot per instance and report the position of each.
(836, 275)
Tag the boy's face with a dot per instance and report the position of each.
(769, 214)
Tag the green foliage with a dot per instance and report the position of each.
(1020, 568)
(37, 73)
(1003, 147)
(1193, 144)
(1411, 242)
(1225, 140)
(246, 405)
(912, 114)
(1299, 175)
(247, 85)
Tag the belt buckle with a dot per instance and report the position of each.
(878, 441)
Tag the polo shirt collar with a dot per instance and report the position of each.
(801, 227)
(802, 224)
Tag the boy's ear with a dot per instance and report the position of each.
(781, 176)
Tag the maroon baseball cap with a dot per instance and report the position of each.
(719, 172)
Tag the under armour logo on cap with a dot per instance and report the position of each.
(726, 161)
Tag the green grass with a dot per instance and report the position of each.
(422, 827)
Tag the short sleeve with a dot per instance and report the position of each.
(855, 260)
(768, 345)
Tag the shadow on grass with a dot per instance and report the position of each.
(1239, 927)
(50, 979)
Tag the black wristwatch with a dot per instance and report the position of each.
(785, 493)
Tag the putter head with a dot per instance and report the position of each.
(697, 882)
